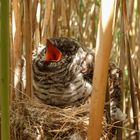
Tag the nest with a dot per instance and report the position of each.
(33, 120)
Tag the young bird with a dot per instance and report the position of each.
(62, 72)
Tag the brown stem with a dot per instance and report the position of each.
(28, 45)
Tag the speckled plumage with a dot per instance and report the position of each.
(66, 81)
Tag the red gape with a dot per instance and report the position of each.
(53, 54)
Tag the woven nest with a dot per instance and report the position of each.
(32, 120)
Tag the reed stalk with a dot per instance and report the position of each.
(4, 69)
(28, 45)
(103, 48)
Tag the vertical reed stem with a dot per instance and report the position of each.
(103, 48)
(4, 69)
(28, 45)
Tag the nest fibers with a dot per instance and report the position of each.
(32, 120)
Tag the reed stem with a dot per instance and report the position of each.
(4, 69)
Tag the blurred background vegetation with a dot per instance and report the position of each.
(32, 22)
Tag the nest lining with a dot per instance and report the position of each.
(33, 120)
